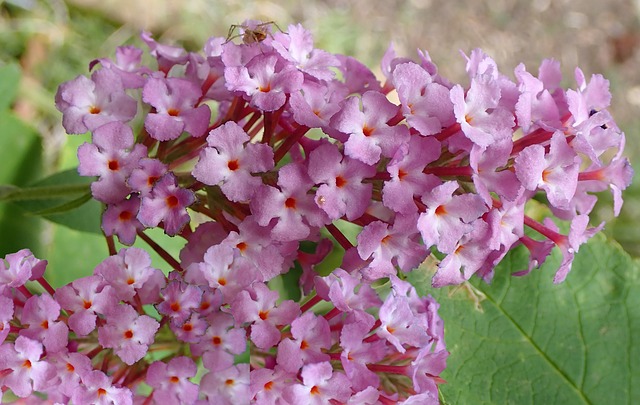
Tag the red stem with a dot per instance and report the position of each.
(161, 252)
(339, 236)
(268, 127)
(111, 245)
(313, 301)
(45, 284)
(332, 314)
(387, 369)
(592, 175)
(449, 171)
(291, 140)
(557, 238)
(447, 132)
(396, 119)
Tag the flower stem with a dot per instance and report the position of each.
(161, 252)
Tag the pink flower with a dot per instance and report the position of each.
(370, 137)
(112, 157)
(28, 372)
(175, 102)
(229, 160)
(87, 104)
(128, 333)
(320, 385)
(168, 204)
(171, 380)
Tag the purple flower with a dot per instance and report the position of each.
(97, 388)
(175, 102)
(407, 177)
(229, 160)
(28, 372)
(536, 106)
(357, 353)
(592, 96)
(267, 386)
(191, 330)
(121, 219)
(556, 172)
(448, 216)
(309, 335)
(320, 385)
(87, 104)
(127, 66)
(179, 299)
(127, 272)
(315, 104)
(145, 176)
(224, 270)
(579, 233)
(467, 257)
(294, 210)
(616, 176)
(168, 204)
(297, 47)
(478, 113)
(171, 380)
(166, 55)
(399, 325)
(370, 137)
(220, 343)
(425, 103)
(425, 369)
(112, 156)
(346, 292)
(6, 315)
(256, 246)
(128, 333)
(341, 190)
(258, 306)
(227, 387)
(489, 174)
(23, 266)
(70, 368)
(389, 246)
(86, 298)
(356, 76)
(40, 316)
(265, 80)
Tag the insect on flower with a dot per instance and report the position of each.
(251, 31)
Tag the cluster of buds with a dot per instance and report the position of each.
(259, 155)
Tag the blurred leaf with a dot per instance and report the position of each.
(21, 157)
(63, 189)
(9, 81)
(72, 254)
(12, 193)
(525, 340)
(68, 206)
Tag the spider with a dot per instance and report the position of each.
(251, 33)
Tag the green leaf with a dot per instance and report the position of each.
(21, 157)
(9, 82)
(65, 207)
(524, 340)
(63, 201)
(13, 193)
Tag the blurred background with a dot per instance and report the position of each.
(54, 41)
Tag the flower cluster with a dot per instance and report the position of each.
(258, 154)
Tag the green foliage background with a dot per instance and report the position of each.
(516, 341)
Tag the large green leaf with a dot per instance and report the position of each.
(9, 82)
(527, 341)
(21, 162)
(65, 200)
